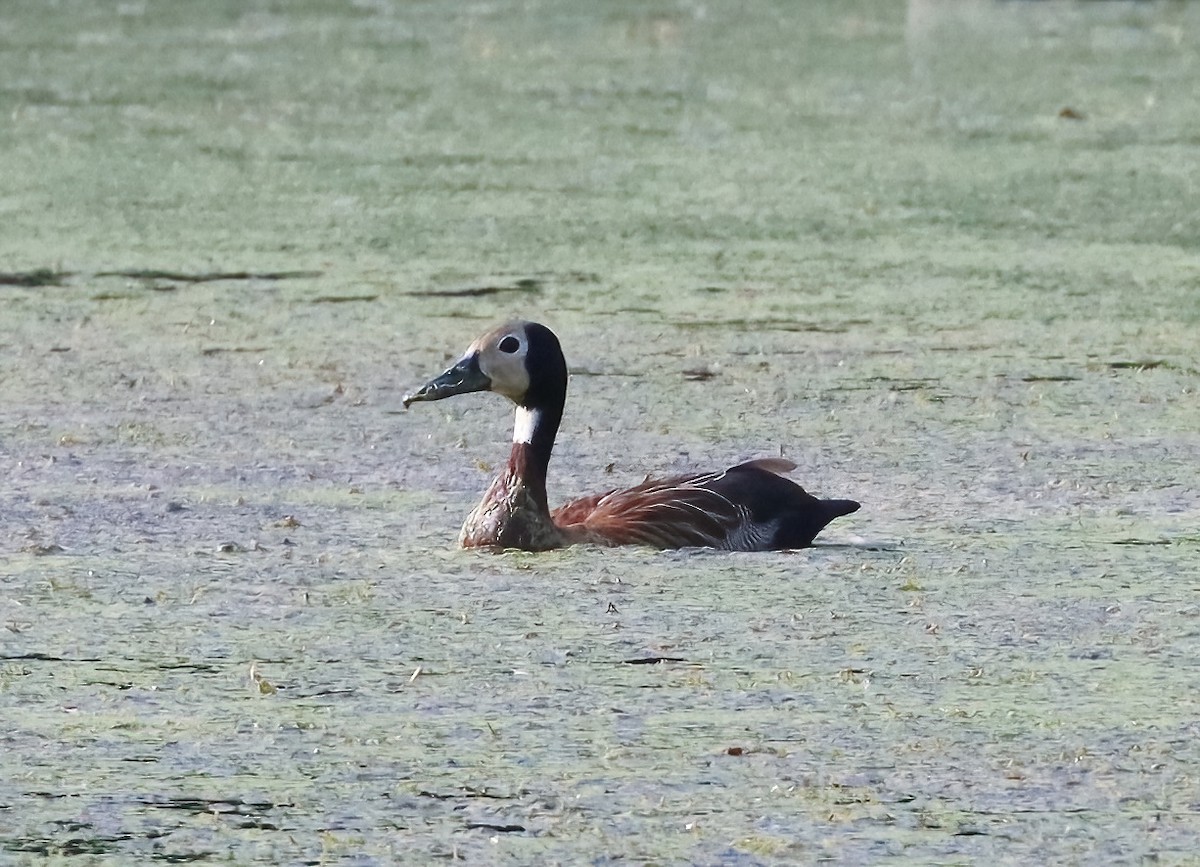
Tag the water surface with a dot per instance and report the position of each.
(943, 257)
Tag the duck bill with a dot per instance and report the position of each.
(463, 378)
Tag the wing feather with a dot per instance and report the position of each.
(663, 513)
(750, 507)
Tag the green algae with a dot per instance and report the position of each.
(235, 624)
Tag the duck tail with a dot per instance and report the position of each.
(837, 508)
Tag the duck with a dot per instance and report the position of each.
(748, 507)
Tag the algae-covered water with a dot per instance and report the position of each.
(942, 256)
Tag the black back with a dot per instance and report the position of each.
(770, 497)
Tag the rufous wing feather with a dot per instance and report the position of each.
(662, 513)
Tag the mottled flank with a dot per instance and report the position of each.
(512, 513)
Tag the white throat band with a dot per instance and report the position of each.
(526, 422)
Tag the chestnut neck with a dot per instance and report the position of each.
(528, 461)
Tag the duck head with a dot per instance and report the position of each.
(521, 360)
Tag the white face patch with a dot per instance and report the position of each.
(527, 420)
(502, 353)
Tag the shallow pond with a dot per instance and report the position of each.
(942, 256)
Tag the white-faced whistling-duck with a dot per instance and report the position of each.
(749, 507)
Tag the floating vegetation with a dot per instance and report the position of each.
(209, 276)
(35, 278)
(1145, 364)
(342, 299)
(652, 660)
(797, 325)
(528, 284)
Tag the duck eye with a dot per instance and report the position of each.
(509, 344)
